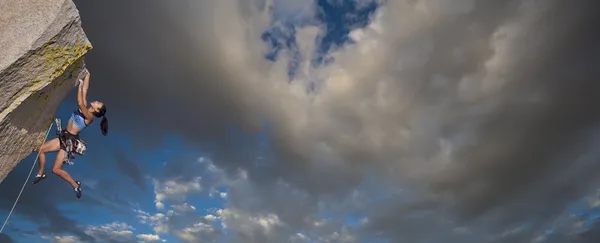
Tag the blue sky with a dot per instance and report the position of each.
(403, 130)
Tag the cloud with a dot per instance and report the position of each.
(184, 208)
(176, 217)
(198, 232)
(245, 214)
(173, 189)
(114, 232)
(210, 217)
(149, 238)
(156, 221)
(477, 110)
(63, 239)
(246, 224)
(180, 222)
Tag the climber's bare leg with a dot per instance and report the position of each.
(49, 146)
(57, 169)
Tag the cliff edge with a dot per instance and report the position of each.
(42, 45)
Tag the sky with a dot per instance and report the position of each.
(330, 121)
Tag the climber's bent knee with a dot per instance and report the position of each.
(56, 171)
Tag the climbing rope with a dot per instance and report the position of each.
(23, 187)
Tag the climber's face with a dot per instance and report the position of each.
(96, 105)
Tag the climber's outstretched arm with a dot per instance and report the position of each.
(82, 99)
(82, 91)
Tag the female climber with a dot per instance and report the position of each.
(79, 120)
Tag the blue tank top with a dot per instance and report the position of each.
(78, 119)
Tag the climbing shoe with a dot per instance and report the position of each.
(38, 178)
(78, 189)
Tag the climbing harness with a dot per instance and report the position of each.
(68, 156)
(72, 148)
(23, 187)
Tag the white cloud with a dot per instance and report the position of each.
(241, 221)
(62, 239)
(158, 221)
(179, 218)
(149, 238)
(113, 231)
(343, 237)
(183, 208)
(196, 233)
(159, 205)
(110, 232)
(210, 217)
(174, 190)
(174, 223)
(299, 237)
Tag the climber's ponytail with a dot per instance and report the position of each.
(104, 125)
(104, 122)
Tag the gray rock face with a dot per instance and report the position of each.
(42, 45)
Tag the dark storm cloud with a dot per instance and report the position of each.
(508, 84)
(526, 163)
(522, 146)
